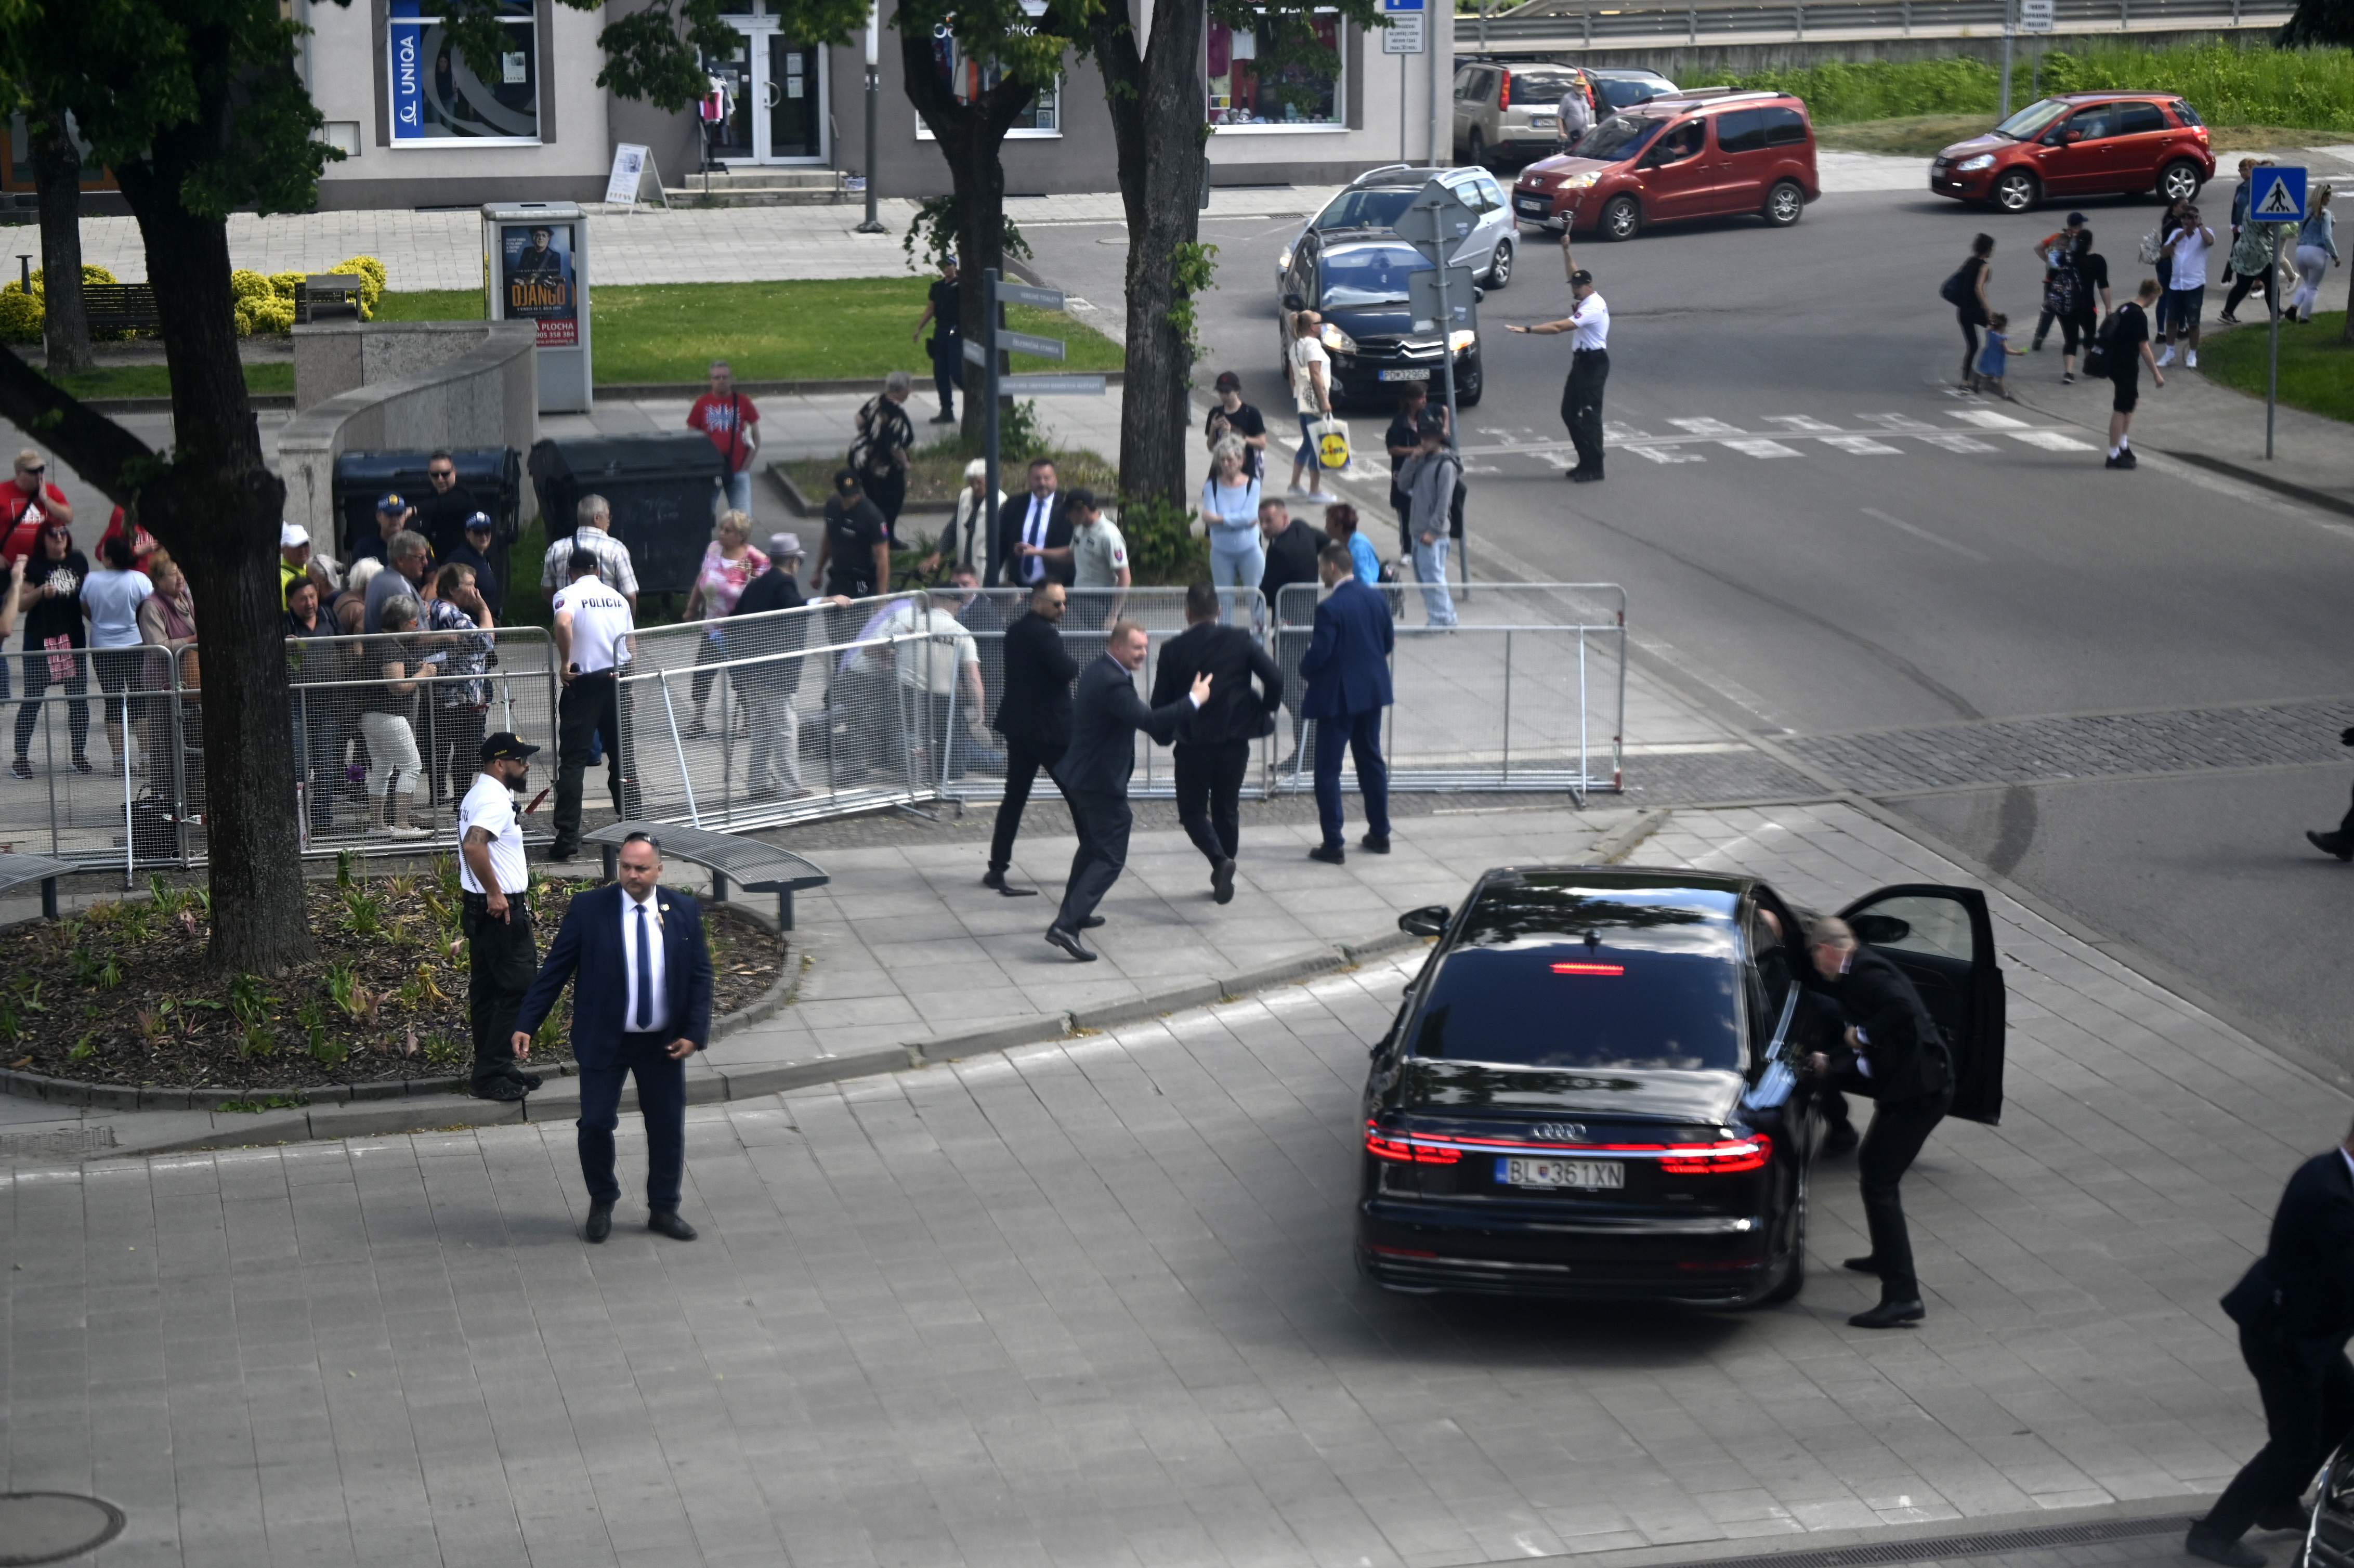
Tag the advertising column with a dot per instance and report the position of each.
(535, 269)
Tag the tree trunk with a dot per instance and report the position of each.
(218, 510)
(57, 174)
(1157, 117)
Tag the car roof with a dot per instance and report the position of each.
(1624, 73)
(1701, 98)
(1404, 177)
(1620, 879)
(2111, 96)
(1642, 907)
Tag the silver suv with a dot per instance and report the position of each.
(1511, 112)
(1372, 201)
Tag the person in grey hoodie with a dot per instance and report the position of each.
(1427, 480)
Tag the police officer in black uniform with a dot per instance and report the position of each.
(1588, 324)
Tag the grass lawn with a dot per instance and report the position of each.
(2316, 367)
(1926, 135)
(804, 331)
(155, 380)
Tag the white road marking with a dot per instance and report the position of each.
(1615, 432)
(1959, 443)
(1987, 420)
(1862, 446)
(1897, 421)
(1804, 422)
(1762, 448)
(1923, 534)
(1708, 427)
(1664, 454)
(2051, 440)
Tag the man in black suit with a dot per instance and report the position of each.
(1214, 746)
(1033, 714)
(2295, 1307)
(1291, 549)
(1892, 1053)
(1106, 713)
(1033, 536)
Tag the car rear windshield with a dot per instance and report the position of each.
(1618, 137)
(2188, 115)
(1541, 88)
(1621, 93)
(2032, 121)
(1365, 209)
(1369, 275)
(1569, 977)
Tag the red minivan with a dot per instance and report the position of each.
(1704, 153)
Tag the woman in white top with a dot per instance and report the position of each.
(1230, 516)
(1311, 393)
(110, 598)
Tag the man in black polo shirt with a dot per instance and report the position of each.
(442, 511)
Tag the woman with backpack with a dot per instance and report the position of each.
(1965, 290)
(2088, 301)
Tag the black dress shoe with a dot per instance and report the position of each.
(1091, 922)
(2281, 1515)
(528, 1080)
(1069, 942)
(1864, 1265)
(600, 1223)
(1376, 843)
(1330, 854)
(1841, 1140)
(2215, 1549)
(1222, 882)
(1586, 476)
(2331, 843)
(499, 1086)
(667, 1222)
(1889, 1315)
(996, 879)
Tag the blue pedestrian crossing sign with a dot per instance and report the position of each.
(2276, 194)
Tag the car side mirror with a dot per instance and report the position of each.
(1430, 920)
(1294, 303)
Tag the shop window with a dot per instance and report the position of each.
(968, 78)
(1305, 92)
(437, 97)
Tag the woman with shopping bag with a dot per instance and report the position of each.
(1311, 394)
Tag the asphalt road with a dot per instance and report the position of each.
(1881, 552)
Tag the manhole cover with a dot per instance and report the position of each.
(45, 1526)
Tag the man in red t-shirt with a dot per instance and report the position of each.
(27, 504)
(727, 417)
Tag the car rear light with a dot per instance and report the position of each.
(1408, 1151)
(1726, 1158)
(1589, 968)
(1505, 93)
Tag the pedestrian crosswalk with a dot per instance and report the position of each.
(1966, 432)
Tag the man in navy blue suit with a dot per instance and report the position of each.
(641, 1006)
(1347, 669)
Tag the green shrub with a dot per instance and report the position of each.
(21, 315)
(372, 275)
(247, 284)
(269, 313)
(1161, 549)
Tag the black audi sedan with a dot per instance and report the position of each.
(1592, 1087)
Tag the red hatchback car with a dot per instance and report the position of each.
(1705, 153)
(2081, 143)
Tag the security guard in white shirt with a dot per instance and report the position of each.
(1588, 321)
(496, 915)
(593, 625)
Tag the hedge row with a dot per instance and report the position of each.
(263, 305)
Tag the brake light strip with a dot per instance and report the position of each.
(1724, 1158)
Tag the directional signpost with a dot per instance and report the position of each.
(995, 340)
(2277, 196)
(1436, 223)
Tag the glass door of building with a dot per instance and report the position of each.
(774, 92)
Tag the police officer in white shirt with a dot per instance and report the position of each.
(1588, 323)
(496, 916)
(593, 624)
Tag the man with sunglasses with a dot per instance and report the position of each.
(442, 513)
(28, 504)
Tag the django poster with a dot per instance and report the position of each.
(541, 285)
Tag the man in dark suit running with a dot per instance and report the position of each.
(1347, 668)
(1891, 1053)
(1214, 746)
(2295, 1307)
(641, 1006)
(1106, 714)
(1033, 714)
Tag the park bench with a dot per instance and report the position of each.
(332, 293)
(755, 866)
(15, 870)
(121, 307)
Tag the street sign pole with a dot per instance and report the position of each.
(989, 486)
(2276, 198)
(2271, 372)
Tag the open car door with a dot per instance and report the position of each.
(1943, 938)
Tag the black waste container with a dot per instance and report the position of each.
(660, 488)
(493, 474)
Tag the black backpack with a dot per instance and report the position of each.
(2097, 353)
(1955, 290)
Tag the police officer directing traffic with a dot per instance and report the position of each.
(593, 624)
(1588, 324)
(496, 916)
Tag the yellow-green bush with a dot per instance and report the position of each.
(372, 275)
(90, 274)
(21, 315)
(271, 312)
(246, 284)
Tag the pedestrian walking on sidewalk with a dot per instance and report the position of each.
(1311, 394)
(1965, 290)
(1106, 714)
(593, 627)
(1033, 714)
(1347, 672)
(728, 417)
(2316, 252)
(1230, 499)
(1588, 324)
(944, 312)
(641, 1006)
(1429, 479)
(1230, 416)
(2125, 345)
(2294, 1308)
(886, 438)
(1214, 745)
(495, 915)
(2057, 249)
(2257, 262)
(2088, 307)
(1891, 1054)
(2183, 258)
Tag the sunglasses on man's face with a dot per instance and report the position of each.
(441, 473)
(37, 470)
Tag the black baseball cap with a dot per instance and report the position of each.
(845, 480)
(507, 747)
(2076, 220)
(1228, 379)
(1581, 278)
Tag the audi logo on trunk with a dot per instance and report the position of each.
(1562, 1131)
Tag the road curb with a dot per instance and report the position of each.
(2262, 481)
(1623, 841)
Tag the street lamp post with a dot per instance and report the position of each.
(873, 224)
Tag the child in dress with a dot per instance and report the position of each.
(1992, 355)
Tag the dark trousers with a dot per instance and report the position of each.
(2043, 325)
(661, 1101)
(502, 959)
(889, 494)
(1889, 1149)
(1581, 405)
(1970, 343)
(589, 710)
(1023, 763)
(2308, 1393)
(2239, 287)
(1103, 821)
(2346, 824)
(453, 749)
(948, 363)
(37, 682)
(1360, 734)
(1209, 796)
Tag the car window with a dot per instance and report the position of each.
(1618, 136)
(1365, 209)
(1369, 275)
(1541, 88)
(2133, 119)
(1935, 927)
(2188, 115)
(1483, 86)
(2090, 124)
(1463, 83)
(1626, 94)
(1771, 959)
(2032, 121)
(1493, 192)
(1784, 127)
(1684, 141)
(1741, 130)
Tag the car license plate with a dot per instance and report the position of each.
(1544, 122)
(1405, 376)
(1537, 204)
(1592, 1174)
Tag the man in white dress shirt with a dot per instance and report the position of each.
(496, 915)
(593, 626)
(1588, 323)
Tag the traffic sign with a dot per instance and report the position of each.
(2276, 194)
(1436, 214)
(1029, 343)
(2035, 15)
(1421, 299)
(1052, 385)
(1392, 7)
(1023, 294)
(1405, 34)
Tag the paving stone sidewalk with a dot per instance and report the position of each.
(1089, 1303)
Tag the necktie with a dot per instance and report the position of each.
(645, 1018)
(1034, 533)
